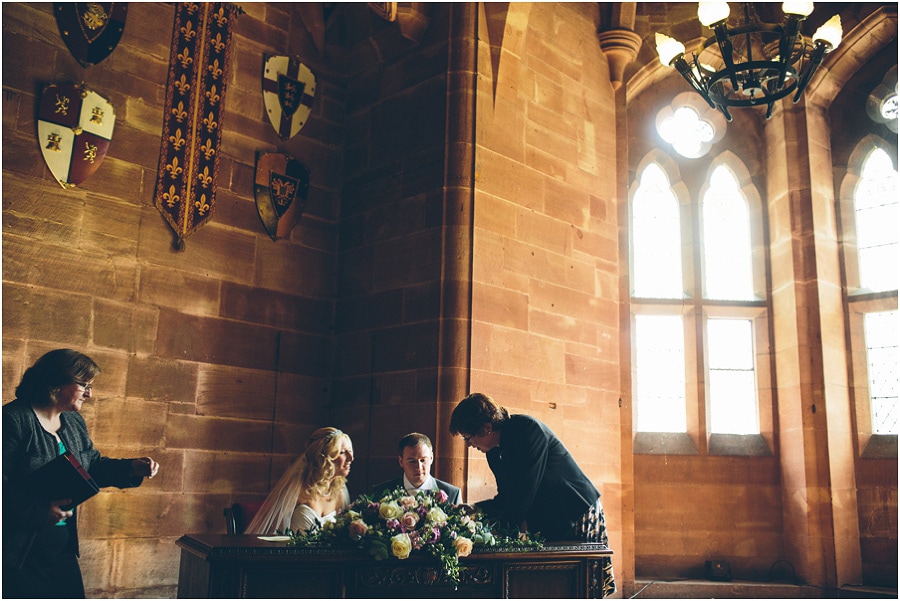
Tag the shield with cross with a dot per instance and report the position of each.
(75, 126)
(288, 91)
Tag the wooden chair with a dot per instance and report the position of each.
(239, 515)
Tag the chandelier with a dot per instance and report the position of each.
(761, 63)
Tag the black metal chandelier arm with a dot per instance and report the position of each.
(815, 59)
(727, 50)
(685, 69)
(786, 46)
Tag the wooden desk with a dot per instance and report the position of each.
(242, 566)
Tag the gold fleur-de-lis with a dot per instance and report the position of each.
(187, 32)
(171, 197)
(177, 140)
(214, 69)
(207, 149)
(217, 44)
(173, 168)
(90, 152)
(204, 178)
(220, 17)
(182, 84)
(212, 96)
(62, 104)
(97, 115)
(210, 122)
(179, 112)
(185, 58)
(202, 206)
(191, 7)
(53, 141)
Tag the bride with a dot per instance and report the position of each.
(312, 490)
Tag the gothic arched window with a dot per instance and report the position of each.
(869, 223)
(698, 285)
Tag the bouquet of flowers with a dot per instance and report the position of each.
(400, 523)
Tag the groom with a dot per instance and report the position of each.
(416, 456)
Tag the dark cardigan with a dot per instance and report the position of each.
(27, 447)
(538, 480)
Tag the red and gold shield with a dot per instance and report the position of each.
(75, 125)
(91, 30)
(288, 91)
(280, 188)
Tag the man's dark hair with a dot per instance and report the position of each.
(473, 412)
(414, 439)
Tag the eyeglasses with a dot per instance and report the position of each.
(84, 387)
(467, 437)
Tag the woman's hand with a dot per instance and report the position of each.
(468, 509)
(57, 513)
(145, 466)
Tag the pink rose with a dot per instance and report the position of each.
(442, 496)
(357, 529)
(409, 520)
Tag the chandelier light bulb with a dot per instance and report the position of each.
(711, 13)
(802, 9)
(668, 48)
(830, 33)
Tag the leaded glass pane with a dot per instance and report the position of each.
(875, 201)
(728, 269)
(659, 359)
(656, 238)
(882, 356)
(732, 377)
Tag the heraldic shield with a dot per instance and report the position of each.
(75, 125)
(91, 30)
(280, 188)
(288, 91)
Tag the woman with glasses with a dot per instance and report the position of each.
(40, 535)
(540, 488)
(312, 490)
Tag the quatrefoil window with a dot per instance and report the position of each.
(690, 127)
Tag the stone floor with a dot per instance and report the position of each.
(745, 589)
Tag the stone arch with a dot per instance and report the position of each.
(857, 47)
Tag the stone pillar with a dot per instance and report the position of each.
(456, 277)
(821, 531)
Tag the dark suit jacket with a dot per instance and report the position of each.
(454, 495)
(538, 480)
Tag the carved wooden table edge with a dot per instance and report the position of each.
(244, 566)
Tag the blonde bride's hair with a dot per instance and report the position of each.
(311, 475)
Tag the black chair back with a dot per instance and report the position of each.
(239, 515)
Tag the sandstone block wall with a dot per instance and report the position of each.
(216, 360)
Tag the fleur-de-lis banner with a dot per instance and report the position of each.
(192, 122)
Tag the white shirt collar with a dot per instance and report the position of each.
(429, 484)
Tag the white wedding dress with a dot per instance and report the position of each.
(305, 517)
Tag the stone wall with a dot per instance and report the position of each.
(216, 360)
(545, 335)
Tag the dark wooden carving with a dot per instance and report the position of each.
(245, 567)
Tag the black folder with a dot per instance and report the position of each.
(64, 478)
